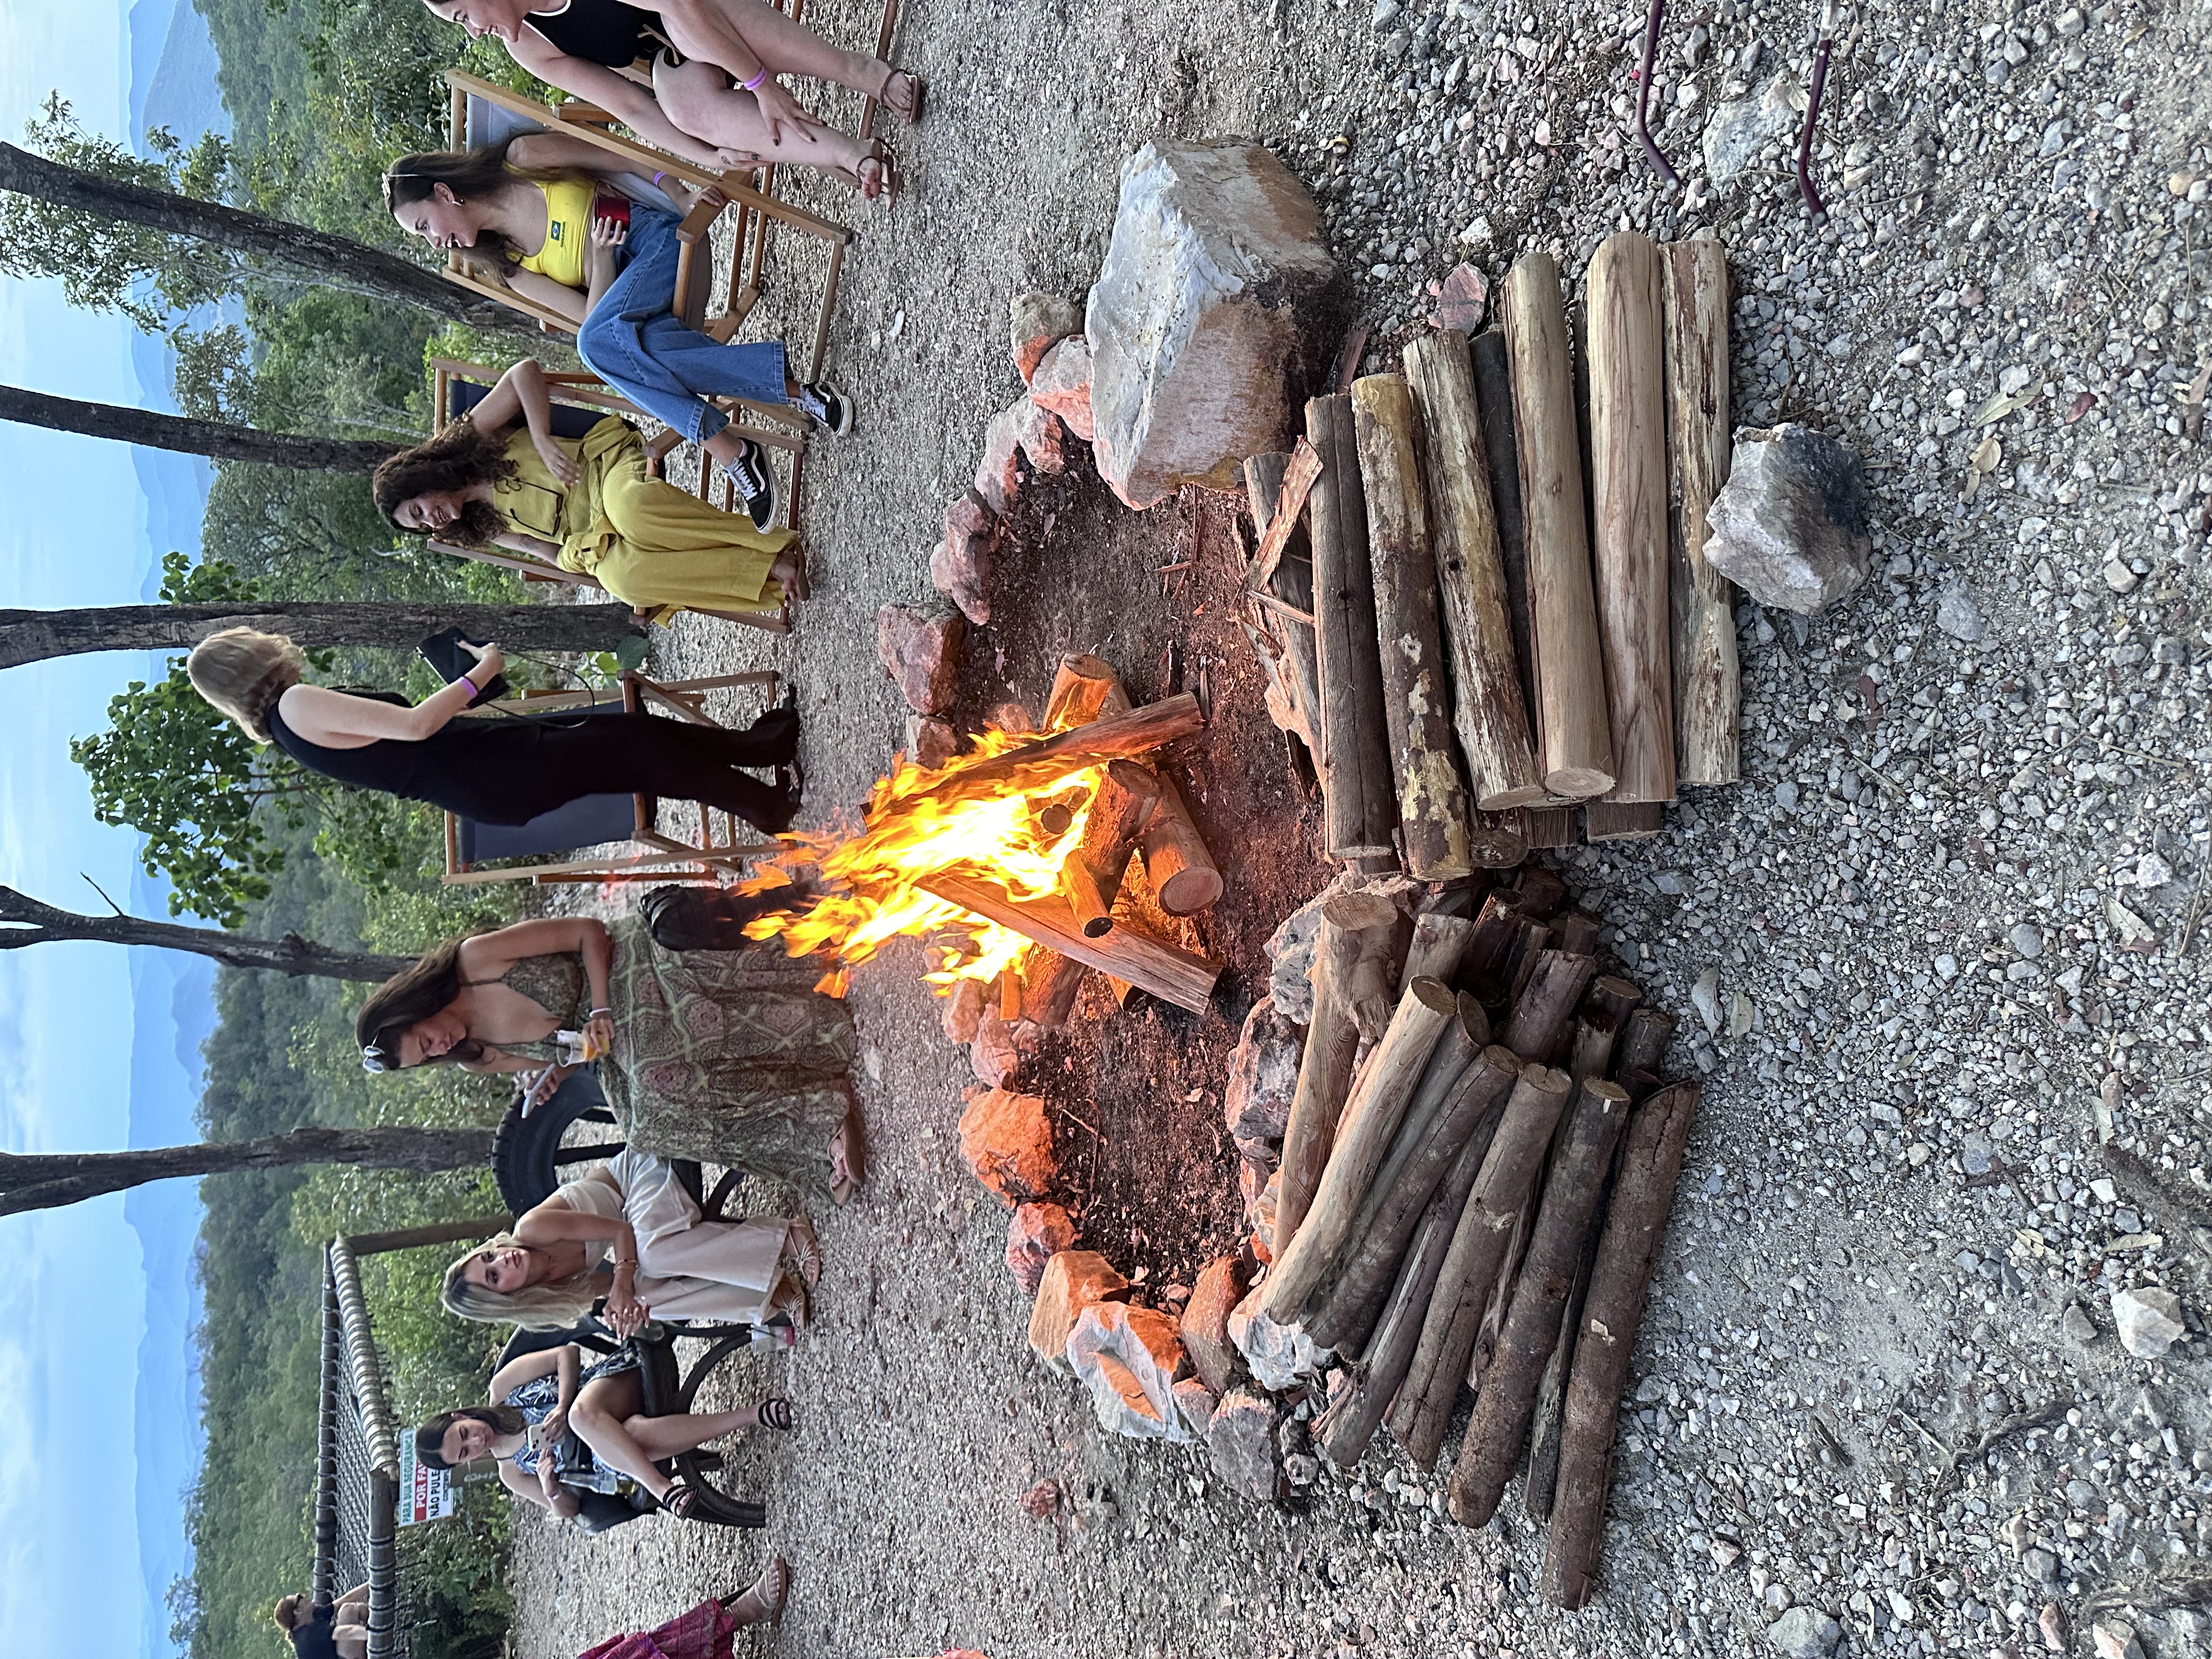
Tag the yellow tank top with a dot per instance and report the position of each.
(568, 230)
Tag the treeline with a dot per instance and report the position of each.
(322, 94)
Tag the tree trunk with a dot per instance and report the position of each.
(437, 1232)
(333, 258)
(216, 439)
(47, 1182)
(39, 923)
(36, 635)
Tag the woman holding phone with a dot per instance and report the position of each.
(493, 769)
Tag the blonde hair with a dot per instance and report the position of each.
(242, 672)
(553, 1306)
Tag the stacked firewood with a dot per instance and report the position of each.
(1481, 1199)
(1473, 635)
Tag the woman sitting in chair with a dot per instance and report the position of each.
(544, 214)
(727, 1056)
(498, 474)
(630, 1232)
(326, 1630)
(720, 103)
(492, 769)
(557, 1426)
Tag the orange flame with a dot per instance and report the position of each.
(868, 881)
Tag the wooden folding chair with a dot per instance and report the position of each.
(595, 820)
(578, 403)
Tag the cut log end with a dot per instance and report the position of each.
(1503, 800)
(1576, 783)
(1189, 890)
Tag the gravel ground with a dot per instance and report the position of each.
(1941, 947)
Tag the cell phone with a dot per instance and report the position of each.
(447, 653)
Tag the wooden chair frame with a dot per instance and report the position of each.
(584, 392)
(662, 858)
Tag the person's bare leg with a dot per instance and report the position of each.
(790, 48)
(697, 96)
(606, 1419)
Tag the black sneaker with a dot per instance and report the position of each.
(828, 407)
(756, 485)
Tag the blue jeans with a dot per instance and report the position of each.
(634, 342)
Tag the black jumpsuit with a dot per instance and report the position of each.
(511, 770)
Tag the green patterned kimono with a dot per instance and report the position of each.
(725, 1056)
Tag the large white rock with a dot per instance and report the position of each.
(1199, 321)
(1128, 1359)
(1278, 1356)
(2148, 1322)
(1789, 526)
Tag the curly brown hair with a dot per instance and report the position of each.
(463, 454)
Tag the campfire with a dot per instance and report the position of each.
(1010, 859)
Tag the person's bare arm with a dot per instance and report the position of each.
(557, 297)
(521, 541)
(336, 719)
(522, 392)
(527, 1486)
(524, 1368)
(488, 955)
(632, 105)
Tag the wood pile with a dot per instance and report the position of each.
(1481, 1199)
(1486, 641)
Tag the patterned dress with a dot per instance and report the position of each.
(725, 1056)
(576, 1464)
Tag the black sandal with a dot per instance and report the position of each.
(683, 1498)
(775, 1413)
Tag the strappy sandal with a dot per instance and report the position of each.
(789, 1305)
(889, 180)
(766, 1593)
(917, 93)
(683, 1498)
(775, 1413)
(802, 1250)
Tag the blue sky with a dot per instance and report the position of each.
(98, 1431)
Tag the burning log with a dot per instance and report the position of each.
(1424, 1407)
(1371, 1116)
(1540, 1011)
(1182, 978)
(1488, 713)
(1627, 1254)
(1349, 1425)
(1356, 933)
(1118, 737)
(1502, 1408)
(1694, 312)
(1050, 983)
(1291, 580)
(1092, 875)
(1574, 744)
(1183, 875)
(1628, 487)
(1357, 790)
(1432, 804)
(1468, 1095)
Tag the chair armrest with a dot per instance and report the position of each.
(699, 220)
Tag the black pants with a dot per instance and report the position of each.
(524, 768)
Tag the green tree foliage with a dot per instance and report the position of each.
(104, 265)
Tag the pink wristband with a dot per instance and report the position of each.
(474, 691)
(759, 76)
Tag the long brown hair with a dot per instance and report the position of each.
(469, 174)
(463, 454)
(413, 993)
(242, 672)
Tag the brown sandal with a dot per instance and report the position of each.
(845, 1148)
(766, 1593)
(889, 180)
(917, 91)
